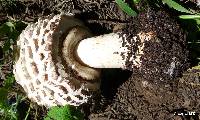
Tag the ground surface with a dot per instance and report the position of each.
(146, 93)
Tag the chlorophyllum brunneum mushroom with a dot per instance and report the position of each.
(59, 59)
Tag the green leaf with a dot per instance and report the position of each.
(55, 113)
(10, 31)
(189, 16)
(124, 6)
(10, 24)
(64, 113)
(3, 98)
(6, 28)
(9, 81)
(136, 1)
(177, 6)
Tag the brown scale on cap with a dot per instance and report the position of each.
(43, 68)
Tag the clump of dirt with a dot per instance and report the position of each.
(166, 57)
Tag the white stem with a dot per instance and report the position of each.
(108, 51)
(102, 51)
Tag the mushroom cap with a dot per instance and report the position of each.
(47, 77)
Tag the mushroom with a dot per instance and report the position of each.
(59, 60)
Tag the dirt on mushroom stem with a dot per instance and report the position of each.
(166, 55)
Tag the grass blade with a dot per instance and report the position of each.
(124, 6)
(177, 6)
(189, 16)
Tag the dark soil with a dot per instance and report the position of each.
(148, 93)
(138, 98)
